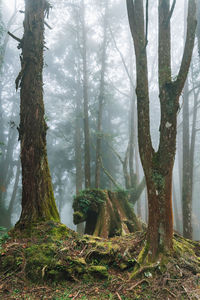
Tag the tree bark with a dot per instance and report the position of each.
(38, 203)
(106, 213)
(158, 165)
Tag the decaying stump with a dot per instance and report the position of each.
(106, 213)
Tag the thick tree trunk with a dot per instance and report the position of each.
(106, 213)
(158, 165)
(38, 203)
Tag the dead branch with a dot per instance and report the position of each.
(137, 283)
(109, 175)
(170, 13)
(14, 37)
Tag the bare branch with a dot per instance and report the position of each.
(122, 58)
(109, 175)
(170, 13)
(14, 37)
(187, 55)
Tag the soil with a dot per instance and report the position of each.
(50, 261)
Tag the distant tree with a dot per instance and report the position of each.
(198, 26)
(38, 203)
(85, 97)
(101, 97)
(158, 165)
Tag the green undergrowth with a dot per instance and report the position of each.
(50, 254)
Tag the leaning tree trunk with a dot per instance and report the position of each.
(38, 203)
(158, 165)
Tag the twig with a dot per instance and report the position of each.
(118, 296)
(76, 295)
(122, 58)
(108, 174)
(48, 25)
(172, 294)
(14, 37)
(186, 292)
(137, 283)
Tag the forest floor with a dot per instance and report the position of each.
(52, 262)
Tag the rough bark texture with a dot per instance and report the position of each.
(158, 165)
(38, 203)
(106, 213)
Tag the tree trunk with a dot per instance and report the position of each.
(198, 26)
(85, 99)
(38, 203)
(158, 165)
(78, 155)
(14, 194)
(101, 100)
(186, 186)
(106, 213)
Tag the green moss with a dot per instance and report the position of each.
(38, 258)
(143, 253)
(99, 272)
(88, 198)
(54, 231)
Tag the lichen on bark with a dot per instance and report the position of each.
(38, 203)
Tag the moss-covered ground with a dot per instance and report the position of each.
(49, 261)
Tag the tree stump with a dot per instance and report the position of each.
(106, 213)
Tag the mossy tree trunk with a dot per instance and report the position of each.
(38, 203)
(158, 165)
(106, 213)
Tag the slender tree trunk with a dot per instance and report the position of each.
(38, 203)
(7, 165)
(186, 185)
(101, 100)
(78, 155)
(198, 26)
(14, 194)
(85, 98)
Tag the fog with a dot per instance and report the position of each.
(63, 96)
